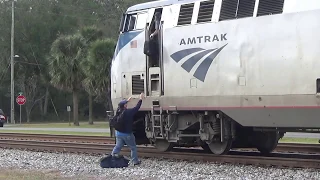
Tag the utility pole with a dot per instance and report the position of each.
(12, 64)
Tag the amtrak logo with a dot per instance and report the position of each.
(199, 53)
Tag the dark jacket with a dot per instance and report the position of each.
(129, 115)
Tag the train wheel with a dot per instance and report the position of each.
(205, 147)
(220, 148)
(163, 145)
(268, 142)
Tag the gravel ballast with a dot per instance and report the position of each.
(71, 165)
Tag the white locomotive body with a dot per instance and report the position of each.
(229, 73)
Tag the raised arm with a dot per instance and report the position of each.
(137, 107)
(156, 29)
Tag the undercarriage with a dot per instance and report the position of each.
(214, 131)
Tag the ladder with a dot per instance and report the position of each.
(157, 120)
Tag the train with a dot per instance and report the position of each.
(220, 74)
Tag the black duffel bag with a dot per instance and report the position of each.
(114, 162)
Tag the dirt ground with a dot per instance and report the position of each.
(21, 174)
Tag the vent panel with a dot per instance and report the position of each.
(228, 9)
(245, 8)
(205, 11)
(137, 85)
(268, 7)
(185, 14)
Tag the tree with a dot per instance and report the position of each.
(66, 54)
(38, 24)
(90, 34)
(97, 70)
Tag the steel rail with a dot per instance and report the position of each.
(63, 138)
(282, 147)
(148, 152)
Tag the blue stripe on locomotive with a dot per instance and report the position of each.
(124, 39)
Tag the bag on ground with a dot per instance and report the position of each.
(114, 162)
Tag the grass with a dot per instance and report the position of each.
(106, 134)
(299, 140)
(99, 125)
(96, 125)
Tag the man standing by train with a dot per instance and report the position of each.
(125, 136)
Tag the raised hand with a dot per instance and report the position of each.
(141, 95)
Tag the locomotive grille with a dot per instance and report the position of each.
(245, 8)
(232, 9)
(185, 14)
(137, 84)
(205, 11)
(267, 7)
(228, 10)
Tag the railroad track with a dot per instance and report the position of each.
(59, 138)
(282, 147)
(276, 159)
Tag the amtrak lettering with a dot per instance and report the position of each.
(203, 39)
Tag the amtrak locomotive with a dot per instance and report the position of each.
(220, 74)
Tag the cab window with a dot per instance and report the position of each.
(130, 22)
(135, 21)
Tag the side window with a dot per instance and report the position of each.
(122, 22)
(185, 14)
(130, 22)
(135, 21)
(205, 11)
(233, 9)
(268, 7)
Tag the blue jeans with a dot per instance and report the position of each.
(131, 142)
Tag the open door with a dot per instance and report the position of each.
(154, 57)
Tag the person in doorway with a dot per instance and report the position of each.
(154, 40)
(157, 18)
(127, 137)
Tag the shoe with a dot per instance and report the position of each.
(116, 155)
(137, 163)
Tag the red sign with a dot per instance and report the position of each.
(21, 100)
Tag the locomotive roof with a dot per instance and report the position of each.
(159, 3)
